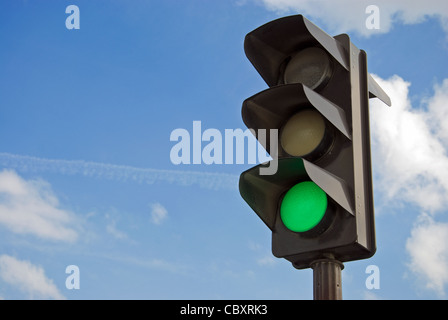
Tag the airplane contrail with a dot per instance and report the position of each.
(207, 180)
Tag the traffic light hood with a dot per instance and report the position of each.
(271, 108)
(270, 48)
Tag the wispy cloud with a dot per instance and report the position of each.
(148, 263)
(158, 213)
(267, 260)
(264, 258)
(28, 278)
(370, 295)
(207, 180)
(30, 207)
(111, 228)
(349, 15)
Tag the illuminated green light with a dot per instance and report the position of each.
(303, 207)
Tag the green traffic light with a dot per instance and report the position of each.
(303, 207)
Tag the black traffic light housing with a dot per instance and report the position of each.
(341, 163)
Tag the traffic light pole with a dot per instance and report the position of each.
(327, 283)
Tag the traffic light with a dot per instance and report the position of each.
(319, 203)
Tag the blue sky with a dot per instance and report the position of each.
(85, 172)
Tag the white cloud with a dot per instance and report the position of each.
(28, 278)
(428, 249)
(348, 15)
(437, 108)
(30, 207)
(411, 166)
(410, 161)
(158, 213)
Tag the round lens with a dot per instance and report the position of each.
(303, 133)
(311, 66)
(303, 207)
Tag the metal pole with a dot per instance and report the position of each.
(327, 284)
